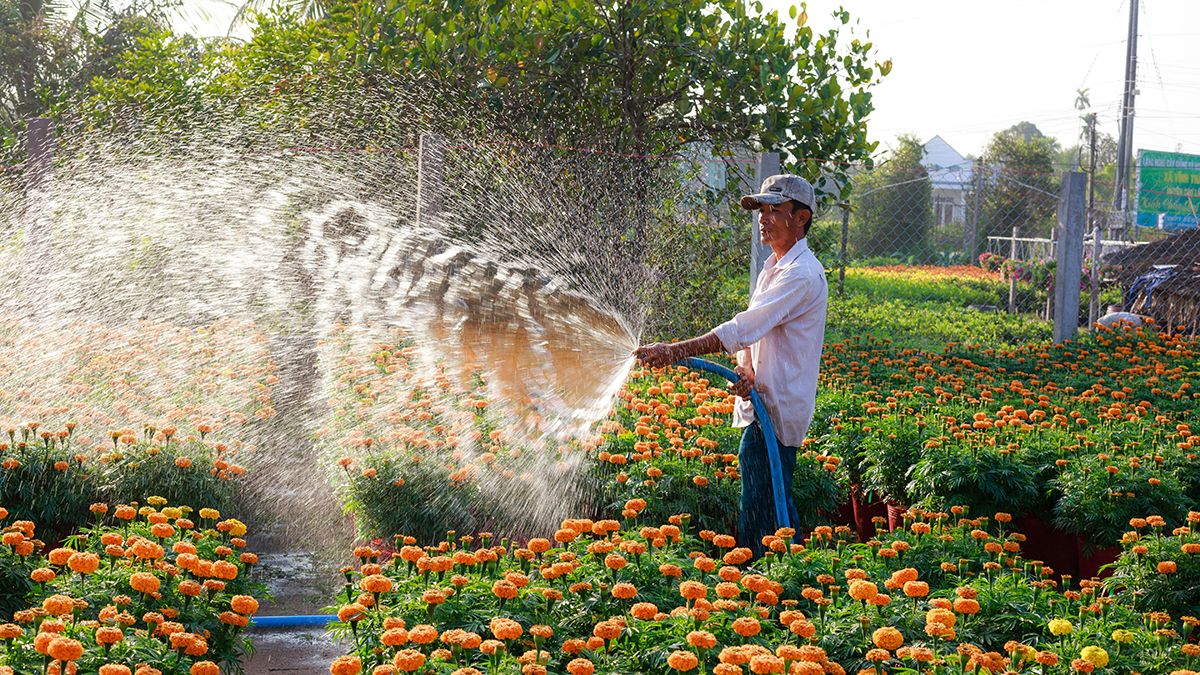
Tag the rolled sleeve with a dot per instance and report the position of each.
(727, 334)
(768, 309)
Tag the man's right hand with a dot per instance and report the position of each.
(745, 382)
(658, 354)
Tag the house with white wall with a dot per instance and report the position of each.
(950, 174)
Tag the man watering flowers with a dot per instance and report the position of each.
(777, 341)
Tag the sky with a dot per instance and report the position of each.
(965, 69)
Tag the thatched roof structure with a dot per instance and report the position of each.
(1175, 303)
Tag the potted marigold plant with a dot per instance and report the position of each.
(838, 430)
(1159, 569)
(889, 453)
(1100, 494)
(983, 478)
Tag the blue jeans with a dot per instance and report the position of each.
(757, 517)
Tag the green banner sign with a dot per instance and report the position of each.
(1168, 190)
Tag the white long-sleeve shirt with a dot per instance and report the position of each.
(784, 327)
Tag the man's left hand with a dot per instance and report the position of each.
(657, 355)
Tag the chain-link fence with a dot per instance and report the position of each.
(917, 253)
(969, 252)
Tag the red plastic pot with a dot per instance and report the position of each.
(1091, 559)
(895, 516)
(865, 511)
(1047, 543)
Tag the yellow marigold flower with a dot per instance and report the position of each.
(1096, 655)
(1060, 627)
(1122, 636)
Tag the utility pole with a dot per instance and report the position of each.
(1125, 141)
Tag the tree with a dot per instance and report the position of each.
(1018, 184)
(50, 51)
(637, 76)
(632, 76)
(893, 211)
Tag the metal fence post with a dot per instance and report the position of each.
(1072, 212)
(842, 251)
(1094, 301)
(971, 225)
(1012, 280)
(1048, 315)
(768, 165)
(430, 164)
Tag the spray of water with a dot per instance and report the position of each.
(521, 281)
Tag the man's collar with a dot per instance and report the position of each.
(794, 252)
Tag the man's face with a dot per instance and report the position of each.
(780, 223)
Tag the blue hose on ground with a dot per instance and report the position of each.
(764, 421)
(289, 622)
(768, 429)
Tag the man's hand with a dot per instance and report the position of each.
(745, 382)
(657, 355)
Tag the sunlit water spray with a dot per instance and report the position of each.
(526, 279)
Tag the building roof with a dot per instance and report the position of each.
(947, 168)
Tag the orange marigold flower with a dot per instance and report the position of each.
(58, 605)
(644, 611)
(887, 638)
(423, 634)
(607, 630)
(144, 582)
(624, 591)
(746, 626)
(233, 619)
(581, 666)
(408, 660)
(941, 615)
(504, 589)
(65, 649)
(693, 590)
(346, 665)
(243, 604)
(863, 591)
(916, 589)
(1046, 658)
(766, 663)
(394, 637)
(702, 639)
(84, 563)
(682, 661)
(42, 575)
(109, 635)
(505, 629)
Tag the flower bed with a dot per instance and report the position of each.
(1086, 434)
(52, 476)
(90, 412)
(947, 594)
(155, 589)
(1038, 431)
(102, 377)
(426, 462)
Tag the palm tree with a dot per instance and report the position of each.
(305, 9)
